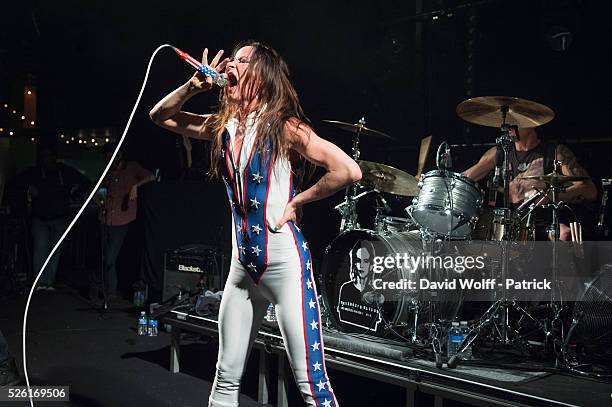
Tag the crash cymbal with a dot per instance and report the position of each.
(487, 111)
(385, 178)
(556, 179)
(358, 127)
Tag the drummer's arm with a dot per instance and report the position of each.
(579, 191)
(483, 167)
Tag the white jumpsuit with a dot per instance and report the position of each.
(267, 266)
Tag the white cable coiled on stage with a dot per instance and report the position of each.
(89, 198)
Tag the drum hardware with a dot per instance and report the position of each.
(505, 112)
(447, 204)
(485, 111)
(555, 182)
(601, 229)
(358, 128)
(348, 210)
(343, 285)
(385, 178)
(382, 208)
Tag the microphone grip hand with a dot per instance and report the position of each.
(201, 82)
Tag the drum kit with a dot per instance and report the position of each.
(446, 207)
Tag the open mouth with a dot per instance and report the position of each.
(231, 78)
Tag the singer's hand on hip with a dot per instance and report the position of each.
(292, 213)
(203, 82)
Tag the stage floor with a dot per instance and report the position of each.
(472, 383)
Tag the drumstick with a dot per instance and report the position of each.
(573, 231)
(423, 152)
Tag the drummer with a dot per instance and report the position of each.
(532, 156)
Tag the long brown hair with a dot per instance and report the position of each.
(268, 79)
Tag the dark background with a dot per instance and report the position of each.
(379, 59)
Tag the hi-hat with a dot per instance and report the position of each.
(358, 128)
(489, 111)
(555, 179)
(385, 178)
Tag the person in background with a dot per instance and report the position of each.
(9, 375)
(532, 156)
(118, 210)
(50, 186)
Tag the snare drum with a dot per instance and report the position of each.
(497, 224)
(447, 205)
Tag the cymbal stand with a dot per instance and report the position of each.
(502, 306)
(348, 210)
(556, 304)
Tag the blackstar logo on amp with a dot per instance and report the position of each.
(193, 269)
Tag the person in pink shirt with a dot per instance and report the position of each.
(118, 210)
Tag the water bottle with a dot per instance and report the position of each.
(271, 313)
(142, 324)
(139, 298)
(465, 330)
(152, 329)
(455, 338)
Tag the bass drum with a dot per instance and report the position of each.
(351, 284)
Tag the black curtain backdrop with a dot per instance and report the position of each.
(180, 213)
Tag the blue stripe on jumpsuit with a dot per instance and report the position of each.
(251, 230)
(321, 392)
(317, 374)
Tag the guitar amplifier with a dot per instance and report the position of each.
(189, 269)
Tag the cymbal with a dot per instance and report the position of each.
(556, 179)
(385, 178)
(487, 111)
(358, 127)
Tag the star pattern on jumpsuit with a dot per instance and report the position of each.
(314, 325)
(255, 250)
(255, 203)
(311, 304)
(321, 385)
(257, 177)
(316, 366)
(256, 229)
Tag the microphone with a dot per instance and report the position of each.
(448, 158)
(217, 79)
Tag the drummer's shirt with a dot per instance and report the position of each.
(524, 164)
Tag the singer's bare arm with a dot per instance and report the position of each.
(167, 112)
(342, 170)
(483, 167)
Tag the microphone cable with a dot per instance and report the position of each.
(71, 225)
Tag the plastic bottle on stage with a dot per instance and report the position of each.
(271, 314)
(142, 324)
(465, 330)
(139, 298)
(152, 329)
(455, 338)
